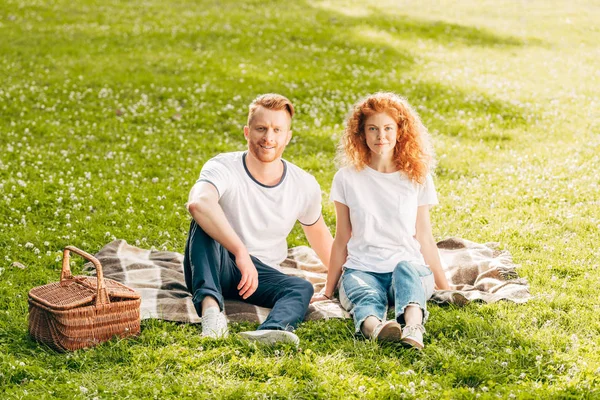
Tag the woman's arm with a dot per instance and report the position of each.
(339, 251)
(429, 248)
(320, 239)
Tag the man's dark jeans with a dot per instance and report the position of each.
(210, 270)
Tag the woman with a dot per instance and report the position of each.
(383, 238)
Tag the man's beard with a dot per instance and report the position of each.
(266, 156)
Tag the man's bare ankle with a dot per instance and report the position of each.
(209, 302)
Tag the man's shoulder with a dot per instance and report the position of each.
(298, 173)
(224, 161)
(227, 158)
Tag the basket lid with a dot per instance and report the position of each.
(79, 291)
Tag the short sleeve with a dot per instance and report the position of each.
(312, 209)
(217, 173)
(427, 194)
(337, 188)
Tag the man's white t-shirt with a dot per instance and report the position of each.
(263, 216)
(383, 214)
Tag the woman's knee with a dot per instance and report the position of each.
(366, 295)
(405, 271)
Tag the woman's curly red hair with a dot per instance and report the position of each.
(412, 154)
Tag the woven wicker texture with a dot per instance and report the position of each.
(82, 311)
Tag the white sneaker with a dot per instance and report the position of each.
(268, 336)
(214, 324)
(412, 335)
(389, 331)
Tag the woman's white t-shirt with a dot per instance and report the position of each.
(383, 214)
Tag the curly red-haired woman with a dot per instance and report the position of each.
(383, 238)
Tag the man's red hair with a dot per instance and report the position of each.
(270, 101)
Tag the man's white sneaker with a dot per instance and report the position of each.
(389, 331)
(268, 336)
(412, 335)
(214, 324)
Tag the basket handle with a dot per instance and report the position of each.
(102, 294)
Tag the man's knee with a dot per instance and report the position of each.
(309, 288)
(304, 287)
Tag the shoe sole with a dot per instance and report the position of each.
(390, 333)
(271, 337)
(412, 343)
(214, 336)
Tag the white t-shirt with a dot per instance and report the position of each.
(263, 216)
(383, 214)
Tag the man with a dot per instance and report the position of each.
(244, 205)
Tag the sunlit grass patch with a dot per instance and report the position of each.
(108, 111)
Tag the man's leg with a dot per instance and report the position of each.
(208, 270)
(288, 296)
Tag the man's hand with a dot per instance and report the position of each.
(249, 281)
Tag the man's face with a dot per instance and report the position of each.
(268, 134)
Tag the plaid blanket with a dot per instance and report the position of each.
(475, 271)
(479, 272)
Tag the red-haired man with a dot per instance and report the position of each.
(244, 205)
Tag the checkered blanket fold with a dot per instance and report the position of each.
(475, 271)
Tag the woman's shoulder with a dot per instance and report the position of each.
(347, 171)
(344, 174)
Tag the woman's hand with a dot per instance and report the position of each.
(319, 297)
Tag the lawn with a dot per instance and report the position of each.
(109, 109)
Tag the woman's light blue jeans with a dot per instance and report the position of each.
(364, 293)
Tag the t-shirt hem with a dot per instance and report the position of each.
(362, 267)
(301, 223)
(338, 200)
(429, 203)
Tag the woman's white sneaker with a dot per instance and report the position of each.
(412, 335)
(389, 331)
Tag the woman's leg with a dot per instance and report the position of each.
(364, 295)
(413, 315)
(413, 286)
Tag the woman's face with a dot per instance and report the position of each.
(381, 132)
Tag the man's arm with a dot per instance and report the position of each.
(320, 239)
(429, 248)
(203, 205)
(339, 251)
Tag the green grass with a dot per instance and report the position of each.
(108, 110)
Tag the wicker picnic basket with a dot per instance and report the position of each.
(82, 311)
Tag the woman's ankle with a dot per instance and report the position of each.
(369, 326)
(413, 315)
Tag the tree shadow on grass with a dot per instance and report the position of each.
(412, 28)
(321, 57)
